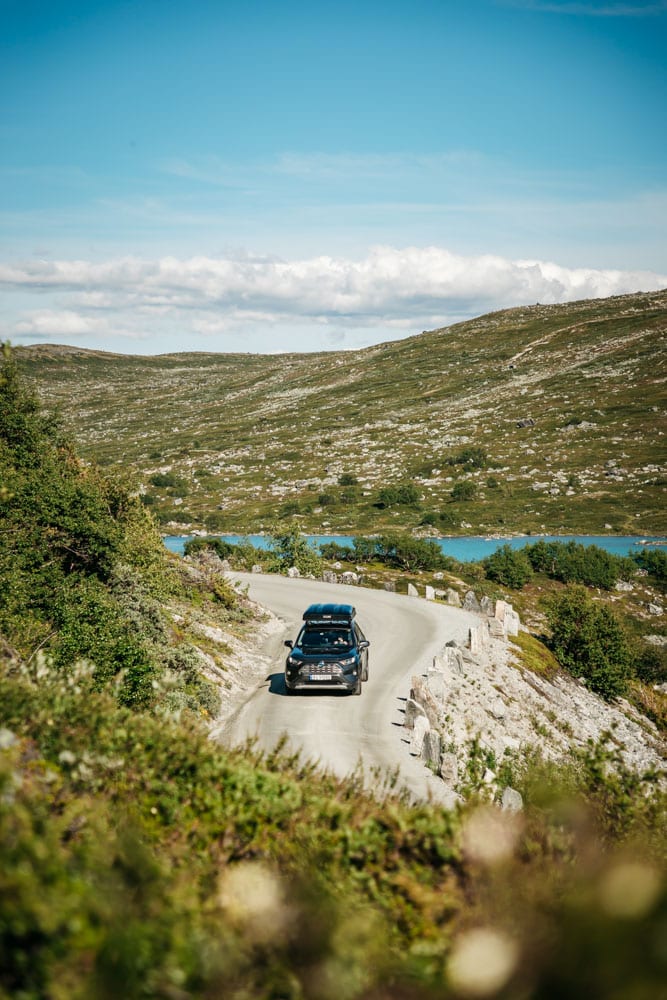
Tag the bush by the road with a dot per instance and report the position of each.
(508, 567)
(572, 562)
(654, 561)
(589, 642)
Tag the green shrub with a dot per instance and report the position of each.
(290, 548)
(347, 479)
(334, 552)
(289, 508)
(589, 642)
(364, 549)
(140, 859)
(165, 479)
(221, 548)
(404, 495)
(464, 490)
(508, 567)
(572, 562)
(471, 458)
(654, 561)
(651, 665)
(408, 553)
(349, 495)
(83, 571)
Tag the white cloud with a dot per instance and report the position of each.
(390, 289)
(45, 324)
(58, 323)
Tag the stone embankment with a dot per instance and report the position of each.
(479, 696)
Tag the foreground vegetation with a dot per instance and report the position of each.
(138, 859)
(532, 419)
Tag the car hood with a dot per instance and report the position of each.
(325, 657)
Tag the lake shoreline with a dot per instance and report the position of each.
(464, 548)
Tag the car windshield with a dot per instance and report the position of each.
(333, 639)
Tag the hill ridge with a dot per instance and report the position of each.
(565, 405)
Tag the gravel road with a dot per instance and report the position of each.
(337, 730)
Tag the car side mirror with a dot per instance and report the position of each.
(289, 643)
(364, 644)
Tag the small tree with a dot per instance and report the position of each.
(654, 561)
(509, 567)
(589, 642)
(465, 490)
(292, 549)
(408, 553)
(403, 495)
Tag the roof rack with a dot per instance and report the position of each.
(330, 614)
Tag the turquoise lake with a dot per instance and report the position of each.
(469, 548)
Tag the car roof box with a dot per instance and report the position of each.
(329, 614)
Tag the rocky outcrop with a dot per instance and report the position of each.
(478, 692)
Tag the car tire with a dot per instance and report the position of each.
(357, 687)
(288, 690)
(364, 676)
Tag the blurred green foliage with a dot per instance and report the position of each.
(139, 859)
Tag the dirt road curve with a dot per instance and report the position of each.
(340, 730)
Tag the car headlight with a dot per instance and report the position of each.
(350, 661)
(292, 662)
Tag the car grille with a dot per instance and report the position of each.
(314, 669)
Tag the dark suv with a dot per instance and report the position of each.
(331, 651)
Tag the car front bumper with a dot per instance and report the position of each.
(328, 677)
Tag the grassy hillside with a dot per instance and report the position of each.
(539, 418)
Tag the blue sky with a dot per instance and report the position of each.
(302, 176)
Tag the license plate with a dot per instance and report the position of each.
(320, 677)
